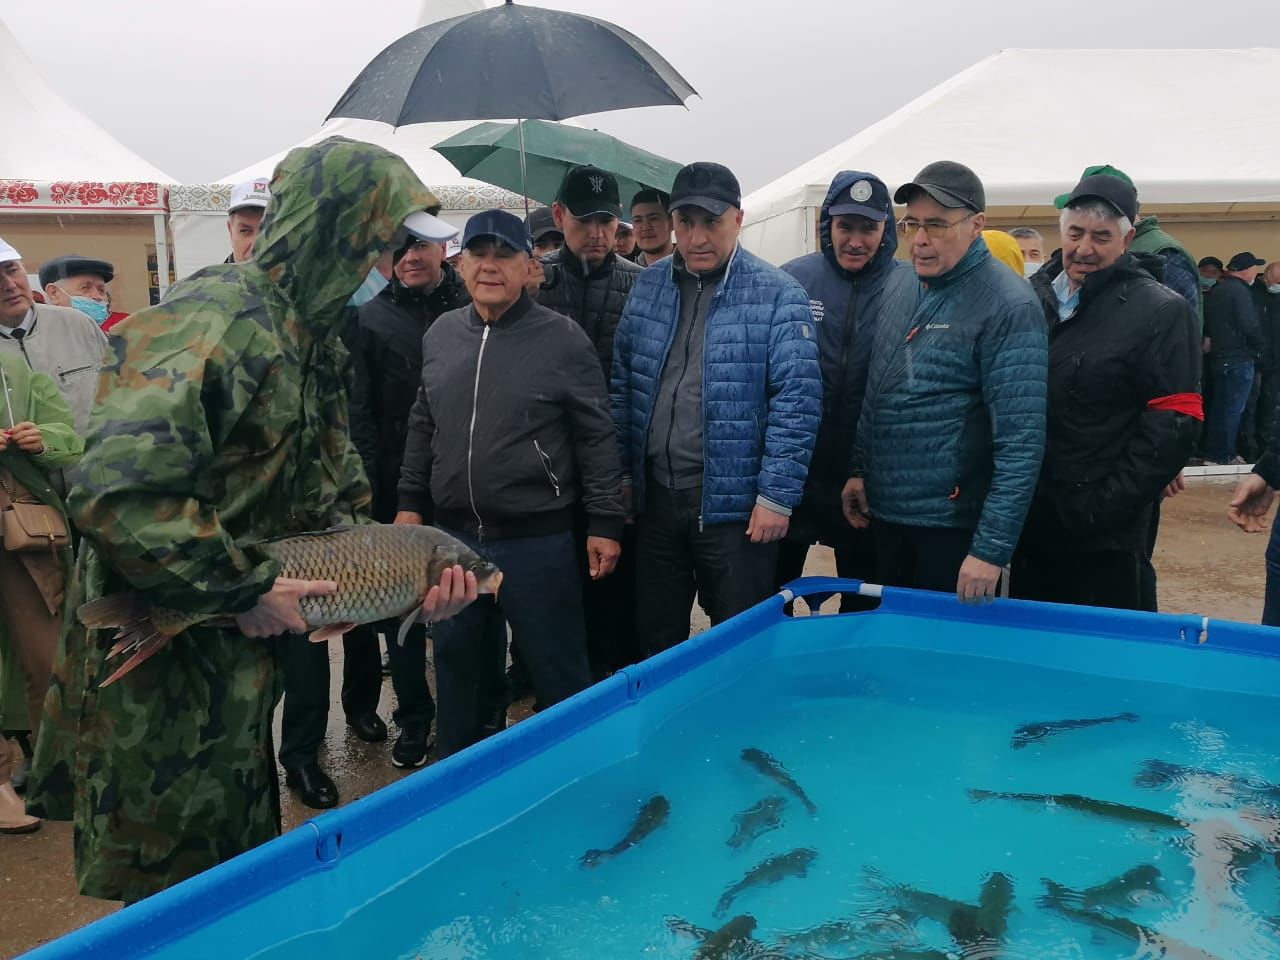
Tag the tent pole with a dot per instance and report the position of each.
(162, 255)
(524, 175)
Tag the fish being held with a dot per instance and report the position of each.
(775, 771)
(653, 814)
(1029, 733)
(757, 820)
(1149, 943)
(382, 571)
(1123, 891)
(793, 864)
(733, 940)
(1136, 816)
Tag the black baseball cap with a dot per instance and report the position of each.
(74, 265)
(588, 190)
(865, 197)
(1245, 260)
(1211, 262)
(951, 184)
(1119, 194)
(711, 186)
(540, 222)
(498, 225)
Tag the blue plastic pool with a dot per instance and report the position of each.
(937, 807)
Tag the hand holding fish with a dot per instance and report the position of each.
(26, 436)
(455, 591)
(277, 610)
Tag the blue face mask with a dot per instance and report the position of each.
(95, 310)
(1207, 283)
(373, 285)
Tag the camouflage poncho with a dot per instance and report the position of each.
(220, 421)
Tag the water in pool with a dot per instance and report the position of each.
(885, 803)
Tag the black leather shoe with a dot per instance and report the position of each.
(313, 785)
(411, 748)
(368, 727)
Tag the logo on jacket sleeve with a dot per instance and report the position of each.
(819, 310)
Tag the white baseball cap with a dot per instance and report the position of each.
(426, 227)
(7, 252)
(251, 193)
(452, 248)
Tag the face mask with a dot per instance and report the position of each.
(95, 310)
(1029, 270)
(372, 286)
(1207, 283)
(1273, 288)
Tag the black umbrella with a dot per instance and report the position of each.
(511, 61)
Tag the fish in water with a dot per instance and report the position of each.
(382, 571)
(1160, 774)
(732, 941)
(653, 814)
(969, 924)
(758, 820)
(775, 869)
(884, 929)
(1147, 941)
(1124, 891)
(1136, 816)
(775, 771)
(1029, 733)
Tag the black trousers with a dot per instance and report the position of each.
(924, 558)
(415, 707)
(609, 609)
(679, 558)
(306, 690)
(1148, 599)
(1104, 578)
(855, 560)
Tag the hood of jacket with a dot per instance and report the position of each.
(335, 208)
(883, 256)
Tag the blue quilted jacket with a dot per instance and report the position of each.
(762, 391)
(952, 426)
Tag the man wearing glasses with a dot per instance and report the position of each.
(951, 433)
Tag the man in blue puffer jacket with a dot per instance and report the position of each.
(716, 397)
(952, 429)
(852, 282)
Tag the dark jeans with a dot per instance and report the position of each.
(1268, 395)
(609, 609)
(414, 706)
(926, 558)
(855, 561)
(1271, 606)
(1148, 598)
(1231, 385)
(1250, 438)
(306, 690)
(1107, 578)
(541, 599)
(679, 558)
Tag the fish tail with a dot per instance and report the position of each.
(116, 610)
(143, 651)
(1128, 716)
(1055, 892)
(724, 903)
(592, 858)
(809, 805)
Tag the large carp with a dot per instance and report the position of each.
(383, 571)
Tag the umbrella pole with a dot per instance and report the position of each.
(524, 176)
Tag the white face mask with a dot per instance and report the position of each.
(1029, 269)
(1273, 288)
(372, 286)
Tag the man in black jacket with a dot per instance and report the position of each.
(387, 365)
(1123, 405)
(510, 430)
(1266, 291)
(1234, 330)
(588, 281)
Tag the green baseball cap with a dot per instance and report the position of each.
(1103, 169)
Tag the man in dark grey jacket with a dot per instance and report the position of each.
(1232, 325)
(510, 430)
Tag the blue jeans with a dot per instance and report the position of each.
(541, 598)
(1231, 385)
(1271, 606)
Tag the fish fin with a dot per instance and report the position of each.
(1054, 891)
(116, 610)
(410, 619)
(1129, 717)
(684, 927)
(145, 650)
(331, 631)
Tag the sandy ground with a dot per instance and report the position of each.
(1205, 566)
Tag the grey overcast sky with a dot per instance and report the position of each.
(203, 89)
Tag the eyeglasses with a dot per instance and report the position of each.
(934, 228)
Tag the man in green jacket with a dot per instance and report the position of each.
(221, 422)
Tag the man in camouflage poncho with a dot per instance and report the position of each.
(221, 422)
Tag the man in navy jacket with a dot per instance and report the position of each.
(716, 397)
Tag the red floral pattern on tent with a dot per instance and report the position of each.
(33, 196)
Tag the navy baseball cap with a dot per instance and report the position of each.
(499, 225)
(865, 197)
(1245, 260)
(711, 186)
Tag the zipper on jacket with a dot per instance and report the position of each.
(471, 433)
(675, 390)
(63, 374)
(850, 320)
(546, 466)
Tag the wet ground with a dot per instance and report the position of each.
(1205, 566)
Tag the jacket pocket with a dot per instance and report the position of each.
(547, 469)
(65, 375)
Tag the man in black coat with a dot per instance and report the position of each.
(1233, 326)
(1124, 405)
(387, 365)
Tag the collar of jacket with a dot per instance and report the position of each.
(403, 296)
(1129, 266)
(974, 257)
(513, 314)
(573, 265)
(720, 273)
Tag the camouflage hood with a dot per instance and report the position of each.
(335, 207)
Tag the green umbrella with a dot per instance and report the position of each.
(491, 152)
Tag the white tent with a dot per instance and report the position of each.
(1165, 117)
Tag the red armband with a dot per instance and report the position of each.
(1192, 404)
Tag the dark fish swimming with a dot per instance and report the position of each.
(1149, 942)
(733, 941)
(1160, 775)
(1030, 733)
(775, 869)
(1121, 892)
(755, 821)
(883, 929)
(969, 924)
(775, 771)
(1136, 816)
(652, 815)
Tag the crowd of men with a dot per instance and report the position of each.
(628, 416)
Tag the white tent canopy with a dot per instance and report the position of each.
(1163, 119)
